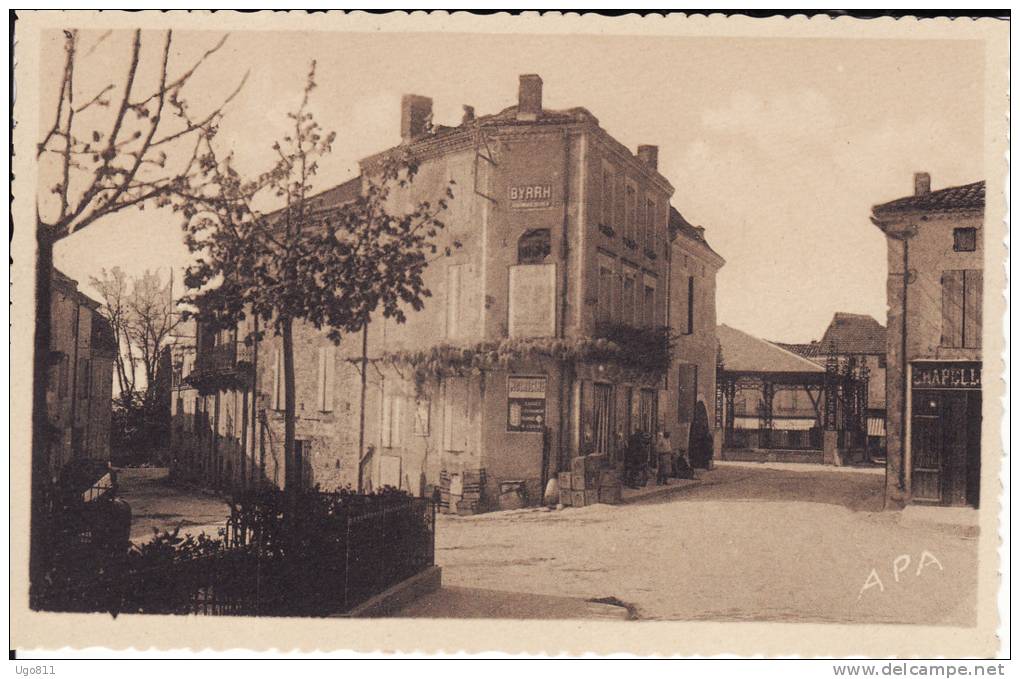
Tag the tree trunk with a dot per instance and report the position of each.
(38, 530)
(291, 475)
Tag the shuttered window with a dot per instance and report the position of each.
(324, 380)
(454, 302)
(961, 308)
(392, 419)
(277, 379)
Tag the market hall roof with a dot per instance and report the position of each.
(952, 199)
(742, 352)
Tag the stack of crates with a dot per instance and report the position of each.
(590, 481)
(473, 487)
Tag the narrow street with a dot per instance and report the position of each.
(749, 543)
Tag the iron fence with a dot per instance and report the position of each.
(357, 548)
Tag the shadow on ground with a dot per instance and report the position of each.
(858, 492)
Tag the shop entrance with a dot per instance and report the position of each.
(946, 446)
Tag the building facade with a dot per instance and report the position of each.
(79, 394)
(934, 362)
(544, 337)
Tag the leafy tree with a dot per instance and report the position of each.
(116, 148)
(329, 266)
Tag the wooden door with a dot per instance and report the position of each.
(926, 447)
(946, 447)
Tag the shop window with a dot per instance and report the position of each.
(602, 417)
(961, 308)
(534, 246)
(965, 239)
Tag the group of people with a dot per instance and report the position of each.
(643, 455)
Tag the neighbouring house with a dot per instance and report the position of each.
(860, 339)
(774, 404)
(79, 393)
(547, 335)
(933, 348)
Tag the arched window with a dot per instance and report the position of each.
(534, 246)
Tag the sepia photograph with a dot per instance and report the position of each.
(686, 330)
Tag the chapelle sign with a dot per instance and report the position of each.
(946, 375)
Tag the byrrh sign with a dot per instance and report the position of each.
(524, 196)
(946, 375)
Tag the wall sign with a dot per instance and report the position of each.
(532, 304)
(525, 398)
(946, 375)
(528, 196)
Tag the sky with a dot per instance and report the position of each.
(778, 147)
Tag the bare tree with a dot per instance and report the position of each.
(110, 149)
(141, 311)
(114, 288)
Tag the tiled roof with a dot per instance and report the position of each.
(680, 226)
(811, 350)
(742, 352)
(853, 334)
(966, 197)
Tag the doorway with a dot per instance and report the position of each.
(946, 447)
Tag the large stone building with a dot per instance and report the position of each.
(936, 264)
(544, 337)
(79, 392)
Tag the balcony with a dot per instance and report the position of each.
(222, 366)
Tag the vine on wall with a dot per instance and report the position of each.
(639, 353)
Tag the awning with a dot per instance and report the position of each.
(876, 426)
(790, 424)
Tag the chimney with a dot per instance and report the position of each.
(469, 115)
(415, 117)
(649, 155)
(529, 97)
(922, 183)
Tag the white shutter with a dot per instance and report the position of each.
(329, 379)
(320, 380)
(397, 420)
(387, 416)
(453, 300)
(277, 379)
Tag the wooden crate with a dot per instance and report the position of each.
(566, 497)
(577, 498)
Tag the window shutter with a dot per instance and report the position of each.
(952, 308)
(453, 300)
(320, 380)
(397, 417)
(973, 284)
(387, 412)
(330, 379)
(277, 379)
